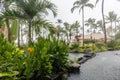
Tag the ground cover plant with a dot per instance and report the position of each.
(38, 60)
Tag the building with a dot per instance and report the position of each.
(95, 36)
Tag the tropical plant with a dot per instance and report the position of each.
(103, 20)
(32, 12)
(99, 25)
(37, 63)
(102, 47)
(117, 36)
(11, 60)
(66, 25)
(110, 19)
(93, 26)
(76, 26)
(81, 4)
(112, 44)
(6, 4)
(58, 51)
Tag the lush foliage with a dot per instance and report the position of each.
(113, 44)
(11, 59)
(58, 50)
(94, 47)
(38, 60)
(101, 46)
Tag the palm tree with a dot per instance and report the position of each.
(70, 28)
(103, 20)
(32, 12)
(59, 29)
(116, 20)
(67, 25)
(112, 17)
(99, 25)
(81, 4)
(76, 25)
(6, 4)
(59, 21)
(91, 22)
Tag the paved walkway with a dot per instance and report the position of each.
(105, 66)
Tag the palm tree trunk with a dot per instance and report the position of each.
(115, 29)
(83, 23)
(18, 33)
(70, 35)
(58, 35)
(9, 33)
(29, 32)
(67, 38)
(21, 30)
(112, 32)
(104, 27)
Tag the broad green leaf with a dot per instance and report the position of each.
(9, 74)
(14, 30)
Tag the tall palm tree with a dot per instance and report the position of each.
(59, 21)
(91, 22)
(111, 17)
(66, 25)
(70, 28)
(58, 31)
(103, 20)
(116, 20)
(99, 25)
(6, 4)
(76, 25)
(32, 11)
(81, 4)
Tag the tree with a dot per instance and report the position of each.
(66, 30)
(92, 23)
(117, 36)
(99, 25)
(59, 21)
(6, 4)
(76, 25)
(80, 4)
(112, 18)
(103, 20)
(32, 11)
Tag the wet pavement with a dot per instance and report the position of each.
(105, 66)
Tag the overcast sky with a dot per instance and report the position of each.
(64, 13)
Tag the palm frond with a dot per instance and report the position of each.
(89, 5)
(96, 2)
(73, 8)
(77, 2)
(33, 7)
(80, 10)
(37, 25)
(50, 6)
(12, 14)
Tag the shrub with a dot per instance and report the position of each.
(10, 60)
(44, 57)
(87, 41)
(59, 54)
(37, 61)
(101, 46)
(111, 44)
(74, 46)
